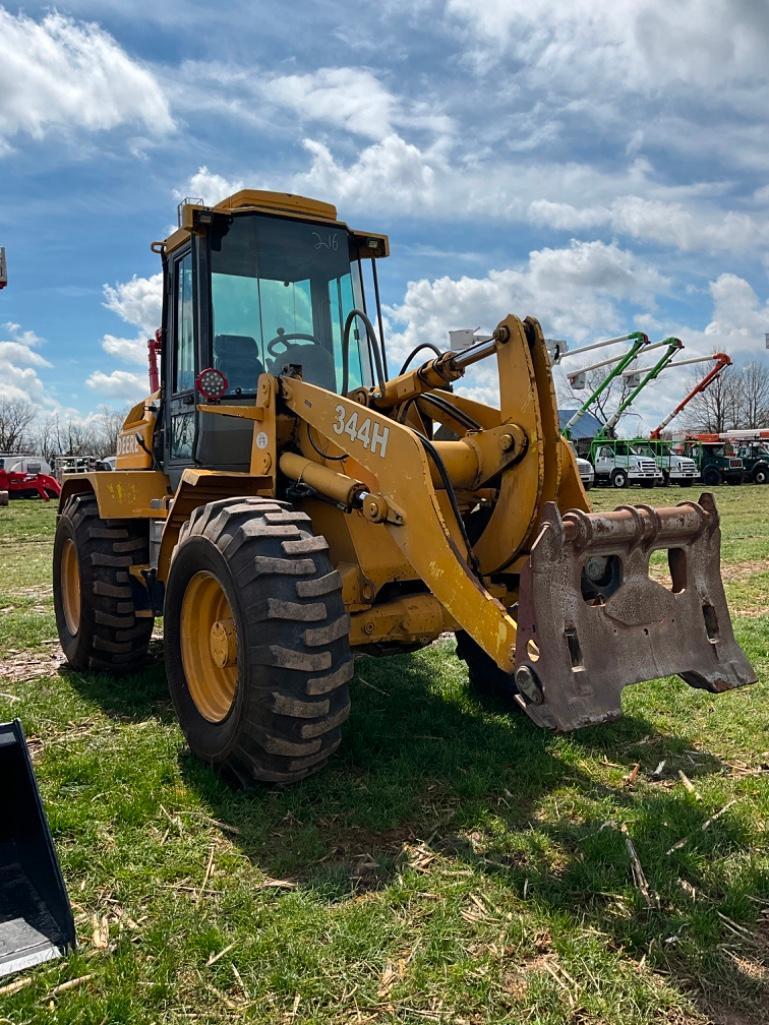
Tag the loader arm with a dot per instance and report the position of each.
(588, 618)
(407, 501)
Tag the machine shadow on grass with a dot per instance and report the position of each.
(420, 769)
(133, 698)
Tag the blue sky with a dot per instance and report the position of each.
(601, 165)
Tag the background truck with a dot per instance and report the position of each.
(715, 460)
(623, 463)
(752, 447)
(675, 468)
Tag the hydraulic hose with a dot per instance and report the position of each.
(373, 344)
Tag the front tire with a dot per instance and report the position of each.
(484, 676)
(256, 641)
(619, 479)
(761, 475)
(711, 476)
(95, 612)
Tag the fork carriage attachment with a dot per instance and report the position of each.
(591, 620)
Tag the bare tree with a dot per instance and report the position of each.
(110, 424)
(56, 436)
(716, 409)
(16, 418)
(754, 395)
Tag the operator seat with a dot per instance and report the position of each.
(238, 359)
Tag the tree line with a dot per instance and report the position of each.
(24, 430)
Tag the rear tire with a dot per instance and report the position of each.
(268, 703)
(95, 611)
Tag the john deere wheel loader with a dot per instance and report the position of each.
(282, 501)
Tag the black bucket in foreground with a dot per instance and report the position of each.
(35, 916)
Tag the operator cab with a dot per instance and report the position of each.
(259, 283)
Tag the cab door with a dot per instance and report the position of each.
(180, 367)
(604, 461)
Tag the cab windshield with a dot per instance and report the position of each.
(281, 291)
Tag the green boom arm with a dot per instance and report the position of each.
(639, 341)
(674, 345)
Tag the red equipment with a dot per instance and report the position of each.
(722, 361)
(24, 485)
(154, 348)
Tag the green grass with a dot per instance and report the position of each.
(453, 863)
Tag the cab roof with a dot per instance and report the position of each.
(194, 215)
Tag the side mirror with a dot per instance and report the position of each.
(3, 268)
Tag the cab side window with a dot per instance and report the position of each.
(184, 366)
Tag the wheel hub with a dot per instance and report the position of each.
(209, 646)
(224, 643)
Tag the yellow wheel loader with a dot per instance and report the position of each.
(282, 500)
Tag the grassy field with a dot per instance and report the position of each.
(453, 864)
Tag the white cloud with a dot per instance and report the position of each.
(210, 187)
(653, 220)
(642, 45)
(574, 292)
(59, 74)
(739, 320)
(119, 384)
(129, 350)
(389, 175)
(138, 302)
(19, 363)
(351, 98)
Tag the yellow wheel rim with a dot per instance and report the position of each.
(209, 644)
(70, 586)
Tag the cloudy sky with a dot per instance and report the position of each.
(601, 164)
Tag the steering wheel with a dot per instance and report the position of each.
(282, 337)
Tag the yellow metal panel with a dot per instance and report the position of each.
(121, 494)
(550, 424)
(415, 619)
(517, 508)
(135, 441)
(175, 240)
(257, 199)
(198, 487)
(571, 493)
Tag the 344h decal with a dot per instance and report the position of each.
(372, 436)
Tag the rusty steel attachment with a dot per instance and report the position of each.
(591, 620)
